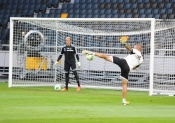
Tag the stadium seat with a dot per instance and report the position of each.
(114, 6)
(128, 15)
(172, 1)
(88, 11)
(122, 16)
(115, 11)
(57, 11)
(162, 11)
(168, 5)
(51, 15)
(15, 2)
(146, 1)
(58, 15)
(157, 16)
(142, 16)
(150, 16)
(108, 12)
(89, 1)
(88, 6)
(82, 6)
(36, 9)
(173, 5)
(95, 11)
(44, 15)
(152, 1)
(155, 11)
(101, 1)
(141, 11)
(140, 6)
(82, 1)
(134, 6)
(55, 3)
(88, 16)
(49, 3)
(76, 11)
(9, 2)
(101, 12)
(4, 22)
(154, 5)
(115, 16)
(82, 16)
(126, 1)
(30, 13)
(108, 6)
(132, 1)
(8, 6)
(95, 1)
(169, 11)
(139, 1)
(127, 6)
(147, 5)
(102, 16)
(163, 16)
(24, 13)
(95, 6)
(121, 11)
(120, 1)
(108, 16)
(120, 6)
(171, 16)
(113, 1)
(135, 16)
(166, 1)
(128, 11)
(161, 5)
(134, 11)
(52, 11)
(76, 6)
(148, 11)
(31, 1)
(101, 6)
(75, 15)
(94, 16)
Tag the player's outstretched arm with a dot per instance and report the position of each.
(128, 47)
(124, 40)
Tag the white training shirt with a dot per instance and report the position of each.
(134, 59)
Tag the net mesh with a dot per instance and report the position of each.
(34, 56)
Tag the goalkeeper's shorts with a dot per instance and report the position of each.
(123, 66)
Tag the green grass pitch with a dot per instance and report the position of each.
(44, 105)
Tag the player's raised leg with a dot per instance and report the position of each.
(100, 55)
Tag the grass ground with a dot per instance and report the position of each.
(44, 105)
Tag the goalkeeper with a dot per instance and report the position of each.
(69, 52)
(130, 62)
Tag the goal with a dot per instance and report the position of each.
(35, 44)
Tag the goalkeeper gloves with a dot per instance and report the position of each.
(56, 63)
(78, 64)
(87, 52)
(124, 39)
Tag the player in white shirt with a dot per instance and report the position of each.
(131, 62)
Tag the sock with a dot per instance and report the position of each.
(124, 100)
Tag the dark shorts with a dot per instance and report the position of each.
(123, 66)
(67, 67)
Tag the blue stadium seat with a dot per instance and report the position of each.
(51, 15)
(8, 6)
(95, 11)
(24, 13)
(114, 1)
(14, 7)
(169, 11)
(139, 1)
(155, 11)
(148, 11)
(128, 15)
(100, 1)
(75, 15)
(76, 1)
(32, 1)
(57, 15)
(37, 1)
(127, 6)
(83, 12)
(95, 6)
(3, 1)
(134, 6)
(108, 16)
(89, 1)
(26, 2)
(115, 11)
(159, 1)
(88, 6)
(108, 12)
(31, 6)
(14, 2)
(120, 1)
(142, 16)
(172, 1)
(132, 1)
(64, 6)
(94, 16)
(122, 16)
(9, 2)
(150, 16)
(89, 16)
(126, 1)
(115, 15)
(168, 5)
(76, 6)
(52, 11)
(141, 11)
(30, 13)
(82, 16)
(70, 11)
(42, 8)
(36, 9)
(4, 22)
(57, 11)
(55, 3)
(49, 3)
(88, 11)
(17, 15)
(101, 12)
(95, 1)
(83, 6)
(162, 11)
(76, 11)
(152, 1)
(145, 1)
(82, 1)
(44, 15)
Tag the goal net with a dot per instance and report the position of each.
(35, 45)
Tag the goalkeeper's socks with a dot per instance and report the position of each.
(124, 102)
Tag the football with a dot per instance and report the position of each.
(90, 57)
(57, 87)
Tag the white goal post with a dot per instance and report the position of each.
(35, 44)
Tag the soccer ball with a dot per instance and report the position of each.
(57, 87)
(90, 57)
